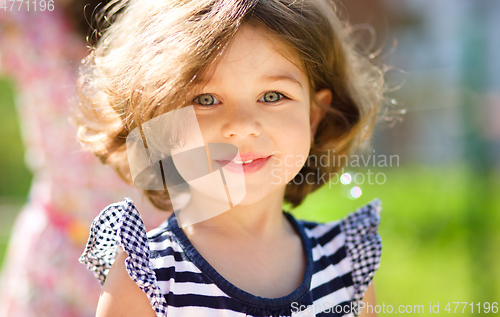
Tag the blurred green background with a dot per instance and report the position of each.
(440, 216)
(15, 177)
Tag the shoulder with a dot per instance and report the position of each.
(363, 245)
(363, 222)
(350, 248)
(117, 225)
(121, 296)
(128, 275)
(357, 225)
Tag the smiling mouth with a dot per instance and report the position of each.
(242, 162)
(246, 166)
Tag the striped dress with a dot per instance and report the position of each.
(341, 259)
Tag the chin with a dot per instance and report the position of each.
(259, 194)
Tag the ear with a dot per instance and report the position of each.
(324, 98)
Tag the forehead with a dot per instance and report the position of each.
(255, 52)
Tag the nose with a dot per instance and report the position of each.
(241, 121)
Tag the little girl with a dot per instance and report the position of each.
(254, 93)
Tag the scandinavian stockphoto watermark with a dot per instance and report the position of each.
(431, 308)
(169, 153)
(316, 165)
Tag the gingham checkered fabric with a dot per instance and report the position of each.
(364, 245)
(120, 224)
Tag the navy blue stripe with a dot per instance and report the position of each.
(347, 279)
(321, 264)
(329, 236)
(334, 259)
(166, 273)
(327, 288)
(196, 300)
(161, 237)
(326, 237)
(169, 251)
(338, 256)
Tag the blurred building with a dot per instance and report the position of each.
(451, 92)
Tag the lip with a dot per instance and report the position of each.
(259, 161)
(244, 157)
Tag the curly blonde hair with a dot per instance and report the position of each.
(154, 53)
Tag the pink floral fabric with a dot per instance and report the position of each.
(41, 275)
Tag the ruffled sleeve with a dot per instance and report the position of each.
(120, 225)
(363, 244)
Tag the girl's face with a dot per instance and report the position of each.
(258, 100)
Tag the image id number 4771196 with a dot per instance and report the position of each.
(27, 5)
(463, 307)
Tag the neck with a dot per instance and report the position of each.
(263, 218)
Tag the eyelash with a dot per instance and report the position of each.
(283, 96)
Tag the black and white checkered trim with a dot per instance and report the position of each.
(364, 245)
(117, 225)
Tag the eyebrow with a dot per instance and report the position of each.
(284, 77)
(269, 78)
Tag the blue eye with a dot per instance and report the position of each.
(206, 100)
(272, 96)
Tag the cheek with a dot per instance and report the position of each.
(206, 128)
(294, 133)
(212, 127)
(294, 139)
